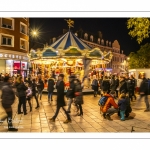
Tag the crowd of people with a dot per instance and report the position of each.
(121, 88)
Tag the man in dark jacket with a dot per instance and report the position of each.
(143, 91)
(122, 85)
(40, 87)
(113, 83)
(60, 99)
(8, 97)
(70, 93)
(50, 88)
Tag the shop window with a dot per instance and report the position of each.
(23, 28)
(7, 23)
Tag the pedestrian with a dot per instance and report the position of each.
(122, 85)
(8, 98)
(107, 109)
(29, 96)
(95, 85)
(143, 91)
(34, 92)
(105, 85)
(117, 85)
(40, 87)
(60, 99)
(21, 93)
(113, 83)
(78, 96)
(50, 88)
(122, 103)
(70, 92)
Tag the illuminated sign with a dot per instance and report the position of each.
(8, 56)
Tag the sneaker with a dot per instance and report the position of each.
(146, 110)
(104, 116)
(122, 119)
(52, 120)
(20, 113)
(12, 129)
(67, 121)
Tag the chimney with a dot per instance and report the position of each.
(107, 43)
(110, 44)
(54, 39)
(98, 40)
(102, 42)
(91, 38)
(76, 34)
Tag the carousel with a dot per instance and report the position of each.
(68, 55)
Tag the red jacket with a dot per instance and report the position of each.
(110, 102)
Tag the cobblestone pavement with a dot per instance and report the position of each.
(91, 121)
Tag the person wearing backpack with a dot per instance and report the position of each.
(106, 109)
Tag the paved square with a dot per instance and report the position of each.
(91, 121)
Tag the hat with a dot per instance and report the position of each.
(72, 76)
(61, 75)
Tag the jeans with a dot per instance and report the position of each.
(111, 111)
(69, 104)
(50, 94)
(22, 101)
(35, 96)
(39, 93)
(57, 111)
(8, 110)
(146, 100)
(122, 113)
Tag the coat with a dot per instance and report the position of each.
(112, 85)
(144, 87)
(123, 86)
(71, 90)
(50, 87)
(110, 102)
(40, 85)
(122, 103)
(8, 95)
(78, 97)
(60, 93)
(95, 85)
(105, 85)
(21, 89)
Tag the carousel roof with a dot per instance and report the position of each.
(69, 39)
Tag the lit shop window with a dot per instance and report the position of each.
(23, 44)
(7, 23)
(23, 28)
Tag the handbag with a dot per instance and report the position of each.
(3, 114)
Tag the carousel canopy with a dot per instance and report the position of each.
(69, 39)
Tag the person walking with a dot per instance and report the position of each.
(143, 91)
(40, 88)
(112, 83)
(95, 85)
(70, 93)
(50, 88)
(60, 99)
(78, 96)
(21, 90)
(29, 96)
(34, 92)
(8, 98)
(117, 85)
(122, 85)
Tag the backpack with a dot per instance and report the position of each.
(102, 100)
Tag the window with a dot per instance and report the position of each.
(23, 44)
(7, 23)
(6, 40)
(23, 28)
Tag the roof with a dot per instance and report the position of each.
(69, 39)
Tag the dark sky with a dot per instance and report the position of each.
(111, 28)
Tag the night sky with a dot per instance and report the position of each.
(111, 28)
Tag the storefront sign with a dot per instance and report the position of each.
(8, 56)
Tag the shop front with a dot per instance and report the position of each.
(14, 64)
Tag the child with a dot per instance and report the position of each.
(29, 96)
(122, 103)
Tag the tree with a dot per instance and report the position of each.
(139, 27)
(141, 59)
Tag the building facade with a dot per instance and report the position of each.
(118, 63)
(14, 45)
